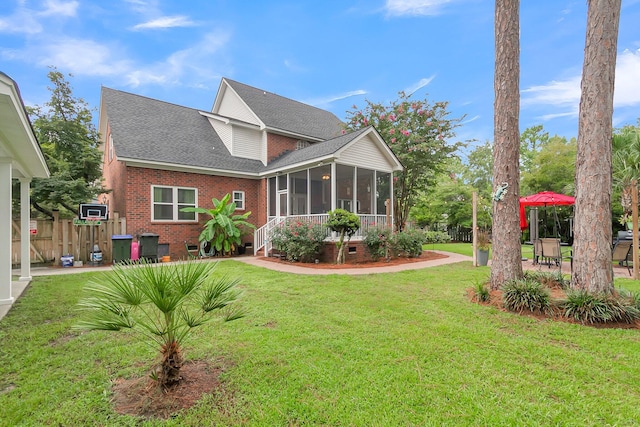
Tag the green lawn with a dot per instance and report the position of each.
(466, 248)
(383, 350)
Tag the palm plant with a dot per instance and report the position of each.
(223, 229)
(163, 303)
(626, 163)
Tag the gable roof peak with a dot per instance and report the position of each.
(285, 114)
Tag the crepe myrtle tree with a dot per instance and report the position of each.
(419, 133)
(162, 303)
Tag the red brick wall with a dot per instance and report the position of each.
(114, 174)
(138, 202)
(278, 144)
(329, 252)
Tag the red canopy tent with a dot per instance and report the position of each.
(543, 198)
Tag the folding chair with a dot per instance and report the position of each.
(550, 250)
(537, 251)
(622, 251)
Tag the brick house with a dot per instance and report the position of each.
(278, 158)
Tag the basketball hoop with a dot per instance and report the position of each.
(93, 212)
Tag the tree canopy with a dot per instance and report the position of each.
(419, 133)
(70, 144)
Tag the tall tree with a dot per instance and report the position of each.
(532, 140)
(551, 168)
(506, 261)
(418, 133)
(479, 169)
(592, 268)
(70, 144)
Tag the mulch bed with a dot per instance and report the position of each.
(425, 256)
(144, 398)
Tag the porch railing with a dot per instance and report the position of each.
(262, 239)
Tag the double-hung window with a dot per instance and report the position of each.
(167, 203)
(238, 199)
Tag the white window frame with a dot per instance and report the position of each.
(110, 148)
(240, 203)
(174, 204)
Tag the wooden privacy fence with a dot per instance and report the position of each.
(59, 237)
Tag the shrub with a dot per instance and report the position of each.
(585, 306)
(481, 292)
(408, 243)
(632, 297)
(344, 223)
(378, 242)
(521, 295)
(551, 280)
(300, 241)
(437, 237)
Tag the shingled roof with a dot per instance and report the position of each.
(147, 130)
(316, 151)
(278, 112)
(150, 130)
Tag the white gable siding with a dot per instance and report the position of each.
(246, 143)
(232, 106)
(366, 153)
(224, 132)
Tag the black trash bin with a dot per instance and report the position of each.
(121, 244)
(148, 246)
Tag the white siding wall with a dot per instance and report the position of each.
(365, 153)
(224, 132)
(232, 106)
(246, 143)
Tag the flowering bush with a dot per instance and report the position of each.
(299, 241)
(408, 243)
(437, 237)
(378, 242)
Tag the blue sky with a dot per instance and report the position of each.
(331, 53)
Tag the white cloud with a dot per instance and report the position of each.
(565, 94)
(415, 7)
(419, 85)
(60, 8)
(193, 65)
(293, 66)
(627, 79)
(21, 21)
(166, 22)
(26, 21)
(556, 93)
(318, 102)
(81, 57)
(472, 119)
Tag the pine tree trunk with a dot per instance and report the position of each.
(506, 262)
(592, 268)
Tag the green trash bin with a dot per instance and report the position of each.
(148, 246)
(121, 247)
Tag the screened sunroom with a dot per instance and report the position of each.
(353, 173)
